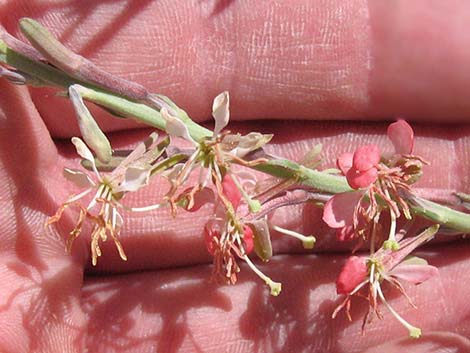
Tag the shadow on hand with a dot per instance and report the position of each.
(299, 320)
(147, 309)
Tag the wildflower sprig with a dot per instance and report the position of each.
(367, 274)
(382, 184)
(108, 190)
(375, 188)
(212, 155)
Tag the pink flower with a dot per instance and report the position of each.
(374, 178)
(370, 273)
(360, 168)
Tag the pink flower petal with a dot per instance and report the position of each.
(402, 136)
(415, 274)
(248, 241)
(352, 274)
(346, 233)
(359, 180)
(339, 210)
(202, 197)
(231, 191)
(366, 157)
(345, 162)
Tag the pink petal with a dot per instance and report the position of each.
(339, 210)
(402, 136)
(359, 180)
(203, 196)
(346, 233)
(248, 241)
(414, 273)
(344, 162)
(231, 191)
(352, 274)
(366, 157)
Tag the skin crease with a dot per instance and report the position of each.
(363, 62)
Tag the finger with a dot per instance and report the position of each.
(40, 291)
(141, 310)
(433, 342)
(301, 60)
(156, 239)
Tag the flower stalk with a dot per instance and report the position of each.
(126, 107)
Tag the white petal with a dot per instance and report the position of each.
(172, 173)
(220, 111)
(175, 127)
(134, 179)
(82, 150)
(77, 177)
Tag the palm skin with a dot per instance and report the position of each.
(57, 302)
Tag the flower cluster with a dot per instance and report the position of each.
(240, 224)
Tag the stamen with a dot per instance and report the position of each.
(77, 230)
(414, 332)
(98, 194)
(308, 242)
(275, 287)
(391, 243)
(371, 275)
(217, 172)
(78, 196)
(145, 208)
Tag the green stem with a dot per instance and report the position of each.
(449, 217)
(124, 107)
(139, 111)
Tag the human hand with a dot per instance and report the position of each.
(286, 62)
